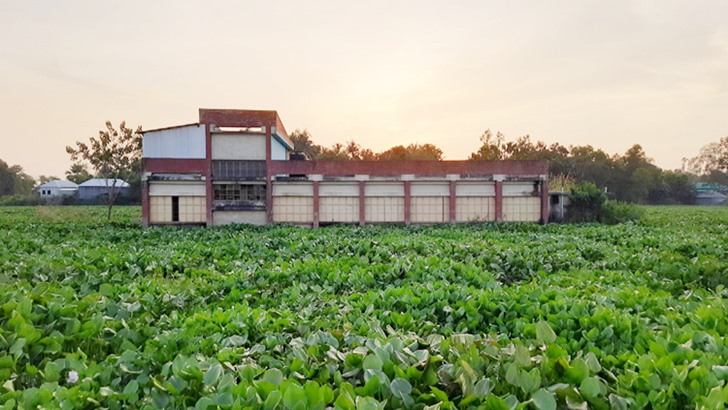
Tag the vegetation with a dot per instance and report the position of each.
(496, 316)
(352, 151)
(14, 181)
(588, 203)
(114, 155)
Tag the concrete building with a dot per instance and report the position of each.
(234, 166)
(98, 188)
(57, 189)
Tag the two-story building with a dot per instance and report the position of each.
(235, 166)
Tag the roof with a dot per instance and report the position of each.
(101, 182)
(197, 124)
(58, 183)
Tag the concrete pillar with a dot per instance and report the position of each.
(498, 197)
(316, 203)
(453, 202)
(407, 202)
(268, 177)
(544, 200)
(362, 203)
(145, 201)
(208, 174)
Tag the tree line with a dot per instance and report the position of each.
(629, 177)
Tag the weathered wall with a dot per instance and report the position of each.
(234, 146)
(186, 142)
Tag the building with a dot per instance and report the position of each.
(710, 194)
(235, 166)
(57, 189)
(98, 189)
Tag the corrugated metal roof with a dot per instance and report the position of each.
(58, 183)
(100, 182)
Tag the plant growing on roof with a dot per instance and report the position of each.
(112, 155)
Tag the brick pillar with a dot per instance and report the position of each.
(453, 203)
(208, 174)
(362, 203)
(268, 177)
(316, 203)
(407, 202)
(498, 200)
(544, 201)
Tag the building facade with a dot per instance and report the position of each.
(234, 166)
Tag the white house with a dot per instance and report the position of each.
(96, 188)
(56, 189)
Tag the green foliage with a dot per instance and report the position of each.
(588, 203)
(14, 181)
(615, 212)
(494, 316)
(114, 155)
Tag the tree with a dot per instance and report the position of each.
(46, 178)
(78, 173)
(302, 142)
(492, 148)
(412, 152)
(112, 155)
(14, 181)
(713, 158)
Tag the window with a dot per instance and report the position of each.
(175, 209)
(239, 196)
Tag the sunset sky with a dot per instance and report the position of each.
(383, 73)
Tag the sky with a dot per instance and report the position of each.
(381, 73)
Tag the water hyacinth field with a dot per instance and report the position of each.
(97, 314)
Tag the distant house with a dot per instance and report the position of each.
(98, 188)
(710, 194)
(57, 189)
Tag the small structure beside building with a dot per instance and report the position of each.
(558, 202)
(57, 189)
(98, 188)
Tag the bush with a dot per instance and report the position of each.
(18, 200)
(615, 212)
(588, 203)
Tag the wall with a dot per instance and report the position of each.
(239, 217)
(293, 202)
(234, 146)
(187, 142)
(278, 151)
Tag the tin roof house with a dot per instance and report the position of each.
(57, 189)
(99, 188)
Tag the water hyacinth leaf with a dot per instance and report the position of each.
(213, 374)
(543, 400)
(401, 389)
(273, 399)
(368, 403)
(544, 333)
(493, 402)
(590, 387)
(294, 397)
(204, 403)
(273, 376)
(372, 362)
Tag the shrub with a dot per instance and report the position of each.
(615, 212)
(589, 204)
(586, 203)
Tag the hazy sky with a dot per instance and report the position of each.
(609, 74)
